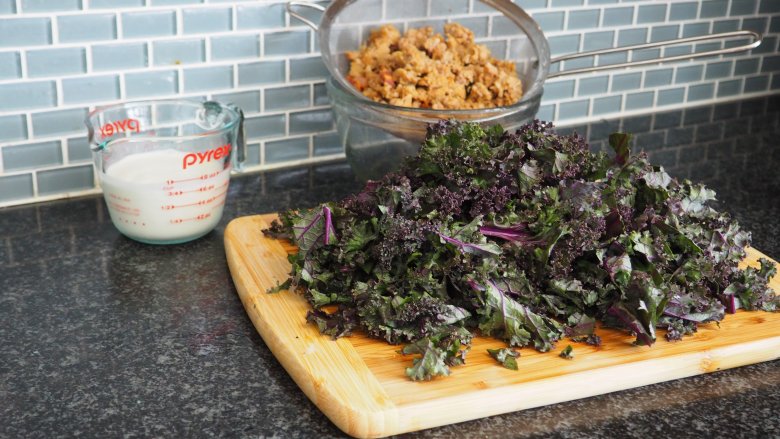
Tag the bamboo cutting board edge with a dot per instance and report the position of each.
(340, 404)
(357, 403)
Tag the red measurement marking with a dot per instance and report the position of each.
(200, 217)
(200, 189)
(197, 203)
(169, 183)
(127, 210)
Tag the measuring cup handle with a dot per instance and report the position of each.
(308, 22)
(241, 152)
(757, 37)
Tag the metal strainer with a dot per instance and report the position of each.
(502, 25)
(376, 135)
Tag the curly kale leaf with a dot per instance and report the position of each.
(525, 236)
(503, 317)
(749, 289)
(505, 356)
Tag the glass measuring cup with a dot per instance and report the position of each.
(164, 166)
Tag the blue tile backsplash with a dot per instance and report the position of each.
(59, 59)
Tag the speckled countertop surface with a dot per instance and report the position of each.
(103, 337)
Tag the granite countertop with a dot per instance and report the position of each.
(101, 336)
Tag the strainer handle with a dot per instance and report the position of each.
(308, 22)
(742, 33)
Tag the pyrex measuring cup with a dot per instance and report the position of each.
(164, 166)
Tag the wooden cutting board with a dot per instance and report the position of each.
(359, 383)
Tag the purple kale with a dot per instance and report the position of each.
(525, 236)
(518, 233)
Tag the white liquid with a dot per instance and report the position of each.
(152, 198)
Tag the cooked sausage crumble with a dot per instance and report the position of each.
(425, 70)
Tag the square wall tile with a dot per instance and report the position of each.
(10, 65)
(196, 21)
(112, 4)
(7, 6)
(564, 44)
(286, 98)
(461, 7)
(13, 127)
(51, 123)
(27, 95)
(69, 179)
(597, 40)
(148, 24)
(573, 110)
(664, 33)
(16, 187)
(688, 74)
(86, 27)
(630, 37)
(695, 29)
(311, 121)
(584, 19)
(618, 16)
(743, 7)
(19, 32)
(307, 68)
(320, 95)
(756, 84)
(701, 92)
(119, 56)
(286, 150)
(769, 6)
(657, 78)
(56, 62)
(718, 70)
(235, 47)
(671, 96)
(651, 14)
(147, 84)
(249, 101)
(593, 86)
(78, 150)
(559, 90)
(713, 8)
(406, 9)
(32, 155)
(683, 11)
(546, 112)
(550, 21)
(746, 66)
(626, 81)
(176, 52)
(208, 78)
(730, 88)
(265, 126)
(637, 101)
(50, 6)
(90, 89)
(264, 72)
(609, 104)
(260, 16)
(327, 144)
(286, 43)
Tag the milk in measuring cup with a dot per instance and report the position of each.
(166, 196)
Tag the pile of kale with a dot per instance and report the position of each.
(527, 237)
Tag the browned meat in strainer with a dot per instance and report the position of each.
(425, 70)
